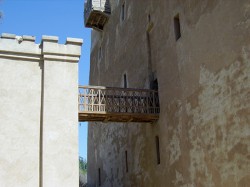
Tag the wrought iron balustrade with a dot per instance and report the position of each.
(118, 104)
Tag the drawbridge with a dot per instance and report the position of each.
(107, 104)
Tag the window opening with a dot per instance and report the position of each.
(126, 160)
(149, 18)
(99, 176)
(177, 27)
(154, 84)
(125, 84)
(157, 143)
(123, 12)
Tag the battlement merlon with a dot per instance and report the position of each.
(19, 47)
(70, 51)
(25, 48)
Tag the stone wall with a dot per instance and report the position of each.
(39, 111)
(204, 89)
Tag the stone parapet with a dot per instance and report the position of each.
(25, 48)
(70, 51)
(19, 47)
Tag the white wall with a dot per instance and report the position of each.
(38, 112)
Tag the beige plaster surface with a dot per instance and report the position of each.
(38, 111)
(60, 124)
(20, 101)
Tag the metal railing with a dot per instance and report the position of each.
(95, 99)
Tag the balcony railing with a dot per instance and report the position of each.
(96, 13)
(118, 104)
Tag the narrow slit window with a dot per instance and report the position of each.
(99, 176)
(149, 18)
(126, 161)
(125, 84)
(123, 12)
(157, 143)
(177, 27)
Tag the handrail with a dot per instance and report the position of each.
(98, 99)
(117, 88)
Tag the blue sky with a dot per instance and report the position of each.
(63, 18)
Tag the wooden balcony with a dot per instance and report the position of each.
(118, 104)
(96, 13)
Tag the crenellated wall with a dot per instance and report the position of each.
(39, 111)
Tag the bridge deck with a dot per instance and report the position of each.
(118, 104)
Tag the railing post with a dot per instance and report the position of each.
(79, 99)
(119, 103)
(92, 100)
(147, 105)
(99, 99)
(154, 102)
(113, 101)
(85, 99)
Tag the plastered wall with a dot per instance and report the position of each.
(204, 89)
(39, 111)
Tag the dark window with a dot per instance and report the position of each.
(149, 18)
(154, 85)
(125, 85)
(123, 12)
(177, 27)
(157, 144)
(126, 160)
(99, 176)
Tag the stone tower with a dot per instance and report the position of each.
(39, 111)
(198, 53)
